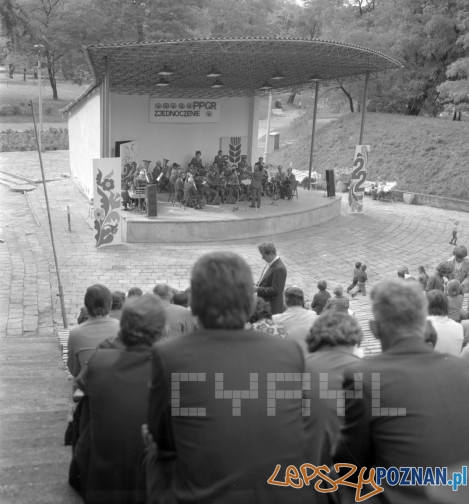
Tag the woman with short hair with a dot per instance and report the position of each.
(339, 302)
(331, 341)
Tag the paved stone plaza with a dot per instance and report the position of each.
(34, 390)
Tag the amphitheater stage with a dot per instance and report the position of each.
(175, 224)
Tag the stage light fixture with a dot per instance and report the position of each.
(162, 83)
(214, 73)
(266, 87)
(217, 84)
(165, 71)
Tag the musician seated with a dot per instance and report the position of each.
(140, 179)
(197, 160)
(126, 199)
(219, 160)
(155, 173)
(290, 182)
(243, 164)
(190, 190)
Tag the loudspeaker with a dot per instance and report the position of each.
(151, 191)
(330, 181)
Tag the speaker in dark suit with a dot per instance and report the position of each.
(272, 282)
(330, 182)
(151, 192)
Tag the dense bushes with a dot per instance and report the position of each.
(53, 139)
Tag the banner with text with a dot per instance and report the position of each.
(357, 189)
(185, 111)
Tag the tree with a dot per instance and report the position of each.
(455, 89)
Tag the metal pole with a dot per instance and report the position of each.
(316, 92)
(41, 128)
(69, 220)
(269, 112)
(362, 126)
(61, 292)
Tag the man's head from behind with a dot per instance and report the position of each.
(222, 291)
(98, 299)
(142, 321)
(399, 310)
(294, 296)
(164, 291)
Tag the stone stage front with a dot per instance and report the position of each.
(229, 222)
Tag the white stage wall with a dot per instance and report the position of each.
(84, 136)
(178, 142)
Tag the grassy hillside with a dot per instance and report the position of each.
(16, 94)
(422, 154)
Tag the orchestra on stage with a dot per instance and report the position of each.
(212, 183)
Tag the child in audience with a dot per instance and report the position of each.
(454, 239)
(320, 298)
(355, 277)
(362, 277)
(455, 298)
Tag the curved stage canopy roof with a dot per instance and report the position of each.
(208, 68)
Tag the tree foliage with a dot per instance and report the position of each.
(430, 37)
(455, 89)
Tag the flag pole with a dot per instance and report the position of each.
(61, 292)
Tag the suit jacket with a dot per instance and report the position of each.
(179, 320)
(432, 387)
(272, 285)
(84, 338)
(297, 322)
(213, 448)
(110, 446)
(324, 423)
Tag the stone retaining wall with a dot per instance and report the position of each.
(436, 201)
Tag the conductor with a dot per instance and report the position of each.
(256, 186)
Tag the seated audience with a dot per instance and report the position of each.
(179, 320)
(181, 298)
(107, 456)
(83, 316)
(460, 267)
(134, 291)
(450, 333)
(339, 302)
(331, 342)
(84, 339)
(219, 448)
(437, 280)
(296, 319)
(455, 298)
(320, 298)
(423, 277)
(408, 410)
(118, 299)
(430, 336)
(261, 320)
